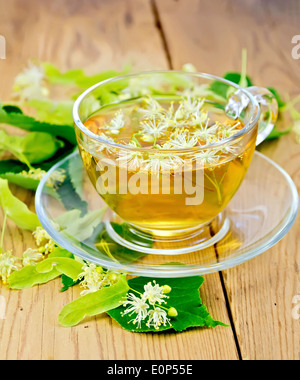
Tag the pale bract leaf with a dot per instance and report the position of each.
(93, 304)
(63, 265)
(80, 227)
(15, 209)
(28, 276)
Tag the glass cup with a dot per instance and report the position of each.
(168, 168)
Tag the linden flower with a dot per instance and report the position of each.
(145, 306)
(154, 294)
(207, 133)
(30, 84)
(8, 264)
(32, 257)
(40, 236)
(198, 119)
(132, 160)
(37, 174)
(154, 128)
(207, 157)
(189, 67)
(102, 147)
(229, 148)
(137, 87)
(57, 177)
(117, 123)
(138, 306)
(44, 241)
(188, 107)
(181, 139)
(158, 317)
(162, 162)
(93, 278)
(226, 131)
(153, 109)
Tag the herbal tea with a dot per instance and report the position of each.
(162, 175)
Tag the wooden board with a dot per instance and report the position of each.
(94, 35)
(211, 35)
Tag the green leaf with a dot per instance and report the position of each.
(27, 277)
(21, 180)
(54, 75)
(60, 252)
(221, 88)
(280, 101)
(95, 303)
(16, 210)
(12, 144)
(12, 109)
(39, 146)
(12, 169)
(77, 76)
(76, 174)
(67, 282)
(64, 265)
(107, 246)
(11, 166)
(68, 194)
(80, 227)
(28, 123)
(53, 112)
(275, 134)
(184, 297)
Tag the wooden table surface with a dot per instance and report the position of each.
(255, 298)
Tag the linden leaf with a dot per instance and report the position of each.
(67, 282)
(15, 209)
(63, 265)
(80, 227)
(53, 112)
(29, 123)
(184, 297)
(21, 180)
(95, 303)
(28, 276)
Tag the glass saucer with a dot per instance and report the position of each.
(74, 215)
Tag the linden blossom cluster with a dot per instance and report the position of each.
(147, 306)
(10, 263)
(176, 128)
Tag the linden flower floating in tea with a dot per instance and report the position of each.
(178, 140)
(147, 307)
(117, 123)
(180, 123)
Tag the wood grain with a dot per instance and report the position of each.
(94, 35)
(211, 35)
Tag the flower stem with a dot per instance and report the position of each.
(2, 233)
(136, 291)
(216, 186)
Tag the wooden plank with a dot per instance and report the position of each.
(211, 35)
(94, 35)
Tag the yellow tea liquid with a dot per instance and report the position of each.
(148, 179)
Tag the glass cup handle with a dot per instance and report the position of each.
(268, 111)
